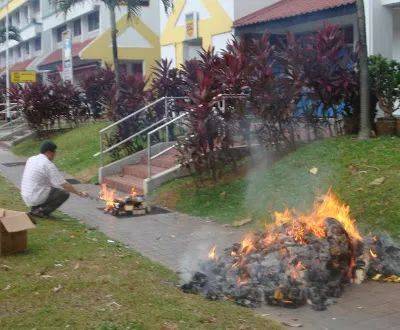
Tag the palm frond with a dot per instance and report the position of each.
(13, 34)
(64, 5)
(168, 5)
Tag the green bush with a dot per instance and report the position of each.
(385, 82)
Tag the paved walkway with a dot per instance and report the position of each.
(178, 241)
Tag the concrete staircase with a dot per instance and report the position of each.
(11, 135)
(134, 175)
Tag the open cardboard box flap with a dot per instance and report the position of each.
(14, 221)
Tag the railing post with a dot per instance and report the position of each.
(149, 154)
(166, 111)
(101, 150)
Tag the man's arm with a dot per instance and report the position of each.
(57, 180)
(71, 189)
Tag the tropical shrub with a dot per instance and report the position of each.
(385, 83)
(49, 106)
(98, 88)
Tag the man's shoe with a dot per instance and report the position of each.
(37, 213)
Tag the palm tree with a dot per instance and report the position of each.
(13, 34)
(365, 123)
(133, 7)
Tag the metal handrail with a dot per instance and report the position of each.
(164, 99)
(11, 103)
(129, 138)
(12, 121)
(13, 106)
(166, 125)
(218, 98)
(132, 115)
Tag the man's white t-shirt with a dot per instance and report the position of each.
(40, 175)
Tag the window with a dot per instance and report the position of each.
(77, 28)
(17, 18)
(18, 50)
(93, 21)
(38, 43)
(27, 50)
(59, 32)
(35, 6)
(132, 67)
(145, 3)
(137, 68)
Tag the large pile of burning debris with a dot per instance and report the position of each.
(299, 259)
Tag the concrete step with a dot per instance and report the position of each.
(141, 170)
(124, 183)
(167, 160)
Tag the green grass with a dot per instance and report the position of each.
(101, 285)
(345, 164)
(75, 150)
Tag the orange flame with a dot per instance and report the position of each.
(107, 195)
(329, 207)
(212, 255)
(133, 193)
(247, 245)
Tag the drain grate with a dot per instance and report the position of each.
(73, 181)
(13, 164)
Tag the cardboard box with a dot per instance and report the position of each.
(13, 231)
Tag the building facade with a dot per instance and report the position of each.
(197, 24)
(41, 28)
(306, 16)
(178, 36)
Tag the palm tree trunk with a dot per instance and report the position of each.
(365, 123)
(115, 53)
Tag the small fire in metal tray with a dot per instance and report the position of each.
(134, 204)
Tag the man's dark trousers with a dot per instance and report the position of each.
(57, 197)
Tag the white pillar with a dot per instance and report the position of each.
(8, 112)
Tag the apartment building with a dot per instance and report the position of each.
(41, 28)
(197, 24)
(305, 16)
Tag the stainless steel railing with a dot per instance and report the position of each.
(219, 101)
(141, 111)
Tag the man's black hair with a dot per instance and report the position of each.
(48, 146)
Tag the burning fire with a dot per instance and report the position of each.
(107, 195)
(314, 222)
(133, 193)
(247, 245)
(212, 255)
(299, 259)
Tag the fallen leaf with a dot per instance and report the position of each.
(110, 241)
(57, 288)
(240, 223)
(169, 326)
(314, 170)
(76, 266)
(8, 287)
(378, 181)
(114, 304)
(58, 265)
(292, 325)
(223, 194)
(5, 267)
(46, 276)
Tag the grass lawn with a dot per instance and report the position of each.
(75, 150)
(71, 277)
(347, 165)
